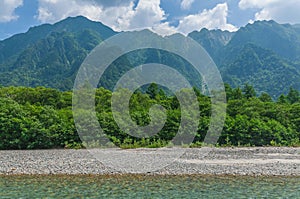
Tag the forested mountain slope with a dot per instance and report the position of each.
(264, 54)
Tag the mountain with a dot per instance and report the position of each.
(50, 55)
(263, 69)
(265, 54)
(283, 39)
(17, 43)
(213, 41)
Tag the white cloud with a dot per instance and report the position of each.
(114, 16)
(264, 14)
(55, 10)
(147, 14)
(186, 4)
(282, 11)
(7, 9)
(245, 4)
(111, 3)
(164, 29)
(215, 18)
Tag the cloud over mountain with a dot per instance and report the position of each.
(131, 15)
(281, 11)
(7, 9)
(210, 19)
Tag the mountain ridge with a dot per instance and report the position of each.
(263, 54)
(42, 31)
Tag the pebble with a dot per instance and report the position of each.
(255, 161)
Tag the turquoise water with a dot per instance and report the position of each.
(138, 186)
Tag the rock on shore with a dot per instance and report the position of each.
(175, 161)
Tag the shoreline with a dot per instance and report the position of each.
(231, 161)
(130, 175)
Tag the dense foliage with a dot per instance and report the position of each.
(32, 118)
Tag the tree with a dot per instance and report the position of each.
(265, 97)
(237, 94)
(153, 90)
(249, 91)
(282, 99)
(229, 91)
(36, 118)
(293, 96)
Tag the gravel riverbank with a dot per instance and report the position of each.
(215, 161)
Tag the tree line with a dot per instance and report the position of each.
(42, 118)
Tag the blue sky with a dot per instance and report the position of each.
(162, 16)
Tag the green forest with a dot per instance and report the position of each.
(264, 54)
(42, 118)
